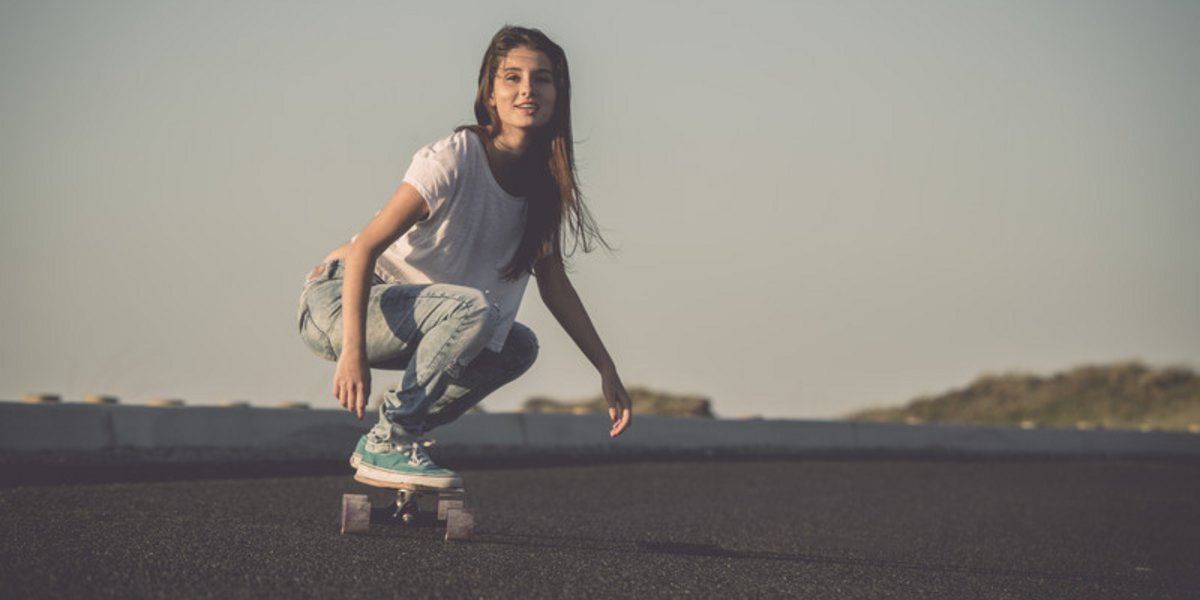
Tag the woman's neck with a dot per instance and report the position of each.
(508, 154)
(512, 144)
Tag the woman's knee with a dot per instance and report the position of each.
(316, 337)
(521, 347)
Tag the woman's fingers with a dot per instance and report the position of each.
(353, 397)
(622, 423)
(621, 411)
(352, 386)
(361, 401)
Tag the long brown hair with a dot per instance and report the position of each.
(553, 187)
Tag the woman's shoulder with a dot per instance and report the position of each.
(453, 148)
(437, 168)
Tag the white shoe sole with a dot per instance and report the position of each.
(373, 475)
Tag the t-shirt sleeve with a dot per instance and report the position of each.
(434, 172)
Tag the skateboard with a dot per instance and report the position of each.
(410, 501)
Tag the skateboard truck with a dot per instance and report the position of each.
(406, 506)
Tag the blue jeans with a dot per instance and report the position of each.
(436, 333)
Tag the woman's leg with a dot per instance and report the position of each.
(438, 335)
(453, 324)
(487, 373)
(431, 331)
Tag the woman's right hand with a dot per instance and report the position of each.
(352, 383)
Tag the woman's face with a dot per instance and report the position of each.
(523, 92)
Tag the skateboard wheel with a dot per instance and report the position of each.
(445, 505)
(356, 513)
(460, 524)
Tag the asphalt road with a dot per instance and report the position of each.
(803, 528)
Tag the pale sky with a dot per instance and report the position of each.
(819, 206)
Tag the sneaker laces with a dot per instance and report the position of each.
(416, 454)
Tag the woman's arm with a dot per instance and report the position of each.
(560, 297)
(352, 379)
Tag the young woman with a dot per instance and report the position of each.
(432, 284)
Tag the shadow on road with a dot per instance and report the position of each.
(717, 551)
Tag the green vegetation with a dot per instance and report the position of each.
(1123, 395)
(645, 402)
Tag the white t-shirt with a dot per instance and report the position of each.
(472, 231)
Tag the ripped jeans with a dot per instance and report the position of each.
(435, 333)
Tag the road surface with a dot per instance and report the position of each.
(801, 528)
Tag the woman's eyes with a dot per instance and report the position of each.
(539, 79)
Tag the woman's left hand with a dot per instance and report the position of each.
(560, 297)
(620, 407)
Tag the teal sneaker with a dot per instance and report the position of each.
(405, 464)
(356, 457)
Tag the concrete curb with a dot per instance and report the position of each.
(208, 434)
